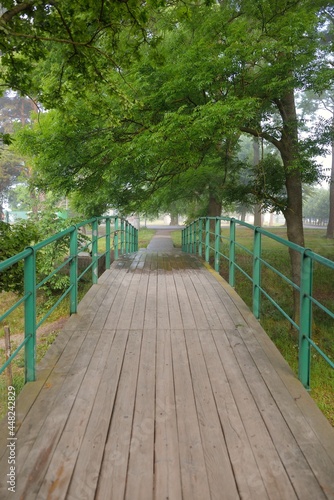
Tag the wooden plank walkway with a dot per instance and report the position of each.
(164, 386)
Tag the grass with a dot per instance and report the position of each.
(278, 328)
(144, 237)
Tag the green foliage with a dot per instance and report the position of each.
(14, 239)
(37, 228)
(164, 127)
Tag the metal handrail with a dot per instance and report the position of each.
(126, 244)
(196, 236)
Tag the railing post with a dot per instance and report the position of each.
(305, 327)
(132, 239)
(195, 237)
(122, 236)
(217, 243)
(107, 242)
(95, 232)
(257, 273)
(30, 316)
(207, 240)
(136, 233)
(126, 237)
(191, 238)
(196, 232)
(232, 254)
(74, 270)
(200, 237)
(116, 239)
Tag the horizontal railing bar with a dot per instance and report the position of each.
(321, 306)
(276, 271)
(317, 348)
(15, 259)
(14, 354)
(53, 238)
(243, 272)
(279, 308)
(45, 280)
(54, 306)
(15, 306)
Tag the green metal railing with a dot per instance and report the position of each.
(119, 235)
(200, 237)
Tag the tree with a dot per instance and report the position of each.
(13, 110)
(218, 70)
(316, 205)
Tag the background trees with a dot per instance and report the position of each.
(149, 103)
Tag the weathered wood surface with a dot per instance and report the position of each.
(164, 386)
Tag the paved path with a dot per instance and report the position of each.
(161, 241)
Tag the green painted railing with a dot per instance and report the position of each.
(200, 237)
(119, 235)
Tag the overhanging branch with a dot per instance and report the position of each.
(263, 135)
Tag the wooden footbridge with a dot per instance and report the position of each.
(164, 386)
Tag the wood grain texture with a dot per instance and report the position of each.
(165, 387)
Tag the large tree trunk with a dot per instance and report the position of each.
(256, 161)
(214, 210)
(293, 181)
(330, 226)
(214, 207)
(174, 219)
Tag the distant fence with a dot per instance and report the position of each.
(199, 237)
(118, 235)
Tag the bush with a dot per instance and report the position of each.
(14, 239)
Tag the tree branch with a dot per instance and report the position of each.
(262, 134)
(9, 14)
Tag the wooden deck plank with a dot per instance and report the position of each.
(218, 465)
(37, 461)
(60, 470)
(113, 472)
(274, 476)
(195, 302)
(162, 302)
(119, 301)
(27, 430)
(300, 474)
(188, 319)
(212, 318)
(138, 316)
(126, 311)
(30, 392)
(247, 474)
(300, 431)
(194, 478)
(167, 462)
(150, 318)
(87, 468)
(164, 386)
(175, 316)
(140, 479)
